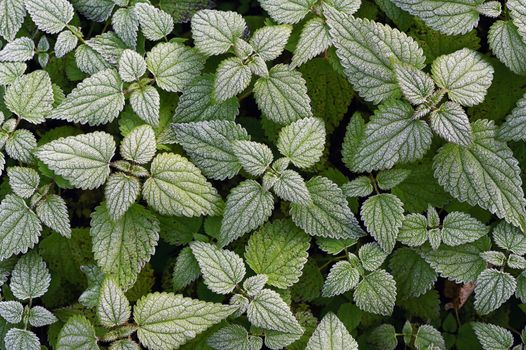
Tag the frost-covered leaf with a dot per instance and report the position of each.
(367, 49)
(391, 136)
(89, 61)
(23, 181)
(53, 213)
(11, 311)
(83, 160)
(291, 187)
(12, 13)
(287, 11)
(514, 128)
(146, 102)
(126, 25)
(121, 192)
(464, 75)
(209, 145)
(376, 293)
(383, 215)
(413, 275)
(174, 65)
(9, 71)
(232, 77)
(342, 277)
(451, 123)
(19, 50)
(30, 96)
(328, 214)
(358, 187)
(493, 288)
(122, 247)
(269, 41)
(248, 206)
(167, 320)
(508, 45)
(40, 317)
(197, 103)
(484, 174)
(77, 334)
(30, 277)
(155, 23)
(131, 65)
(428, 337)
(113, 308)
(214, 32)
(66, 42)
(20, 145)
(177, 187)
(371, 256)
(279, 251)
(254, 157)
(459, 228)
(97, 100)
(139, 145)
(510, 238)
(331, 334)
(461, 263)
(416, 85)
(493, 337)
(314, 39)
(50, 16)
(21, 339)
(19, 226)
(303, 141)
(282, 95)
(268, 310)
(222, 269)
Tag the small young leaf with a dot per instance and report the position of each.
(66, 42)
(19, 50)
(383, 215)
(268, 310)
(342, 278)
(146, 102)
(232, 77)
(113, 308)
(332, 334)
(376, 293)
(451, 123)
(493, 288)
(131, 66)
(40, 317)
(11, 311)
(254, 157)
(269, 41)
(155, 23)
(459, 228)
(139, 145)
(30, 277)
(314, 39)
(303, 141)
(291, 187)
(23, 181)
(416, 85)
(12, 13)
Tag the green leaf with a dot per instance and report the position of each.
(97, 100)
(459, 228)
(186, 269)
(167, 320)
(50, 16)
(23, 181)
(196, 103)
(514, 128)
(232, 77)
(367, 49)
(303, 141)
(428, 337)
(383, 337)
(376, 293)
(19, 50)
(168, 191)
(30, 96)
(139, 146)
(493, 288)
(21, 339)
(40, 317)
(83, 160)
(328, 215)
(460, 264)
(493, 337)
(121, 192)
(222, 269)
(254, 157)
(174, 65)
(19, 227)
(12, 15)
(510, 238)
(269, 41)
(413, 275)
(214, 32)
(371, 256)
(383, 215)
(209, 145)
(11, 311)
(146, 103)
(122, 247)
(484, 174)
(113, 309)
(331, 334)
(358, 187)
(342, 277)
(124, 344)
(30, 277)
(314, 39)
(282, 95)
(508, 45)
(155, 23)
(464, 74)
(450, 122)
(388, 179)
(132, 66)
(248, 206)
(416, 86)
(268, 310)
(288, 11)
(391, 136)
(77, 334)
(279, 251)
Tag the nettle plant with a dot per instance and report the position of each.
(237, 213)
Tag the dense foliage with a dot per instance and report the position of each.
(299, 174)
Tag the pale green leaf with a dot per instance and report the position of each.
(459, 228)
(132, 66)
(341, 278)
(53, 213)
(331, 334)
(255, 284)
(291, 187)
(146, 103)
(493, 337)
(19, 50)
(494, 258)
(50, 16)
(372, 256)
(126, 25)
(214, 32)
(268, 310)
(77, 334)
(376, 293)
(121, 192)
(109, 46)
(9, 71)
(269, 41)
(416, 85)
(518, 15)
(23, 181)
(413, 275)
(493, 288)
(124, 344)
(12, 13)
(232, 77)
(113, 308)
(303, 141)
(514, 128)
(287, 11)
(30, 277)
(155, 23)
(508, 45)
(20, 145)
(450, 122)
(21, 339)
(254, 157)
(510, 238)
(186, 269)
(40, 317)
(314, 39)
(279, 251)
(390, 178)
(358, 187)
(66, 42)
(427, 337)
(139, 145)
(11, 311)
(229, 337)
(89, 61)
